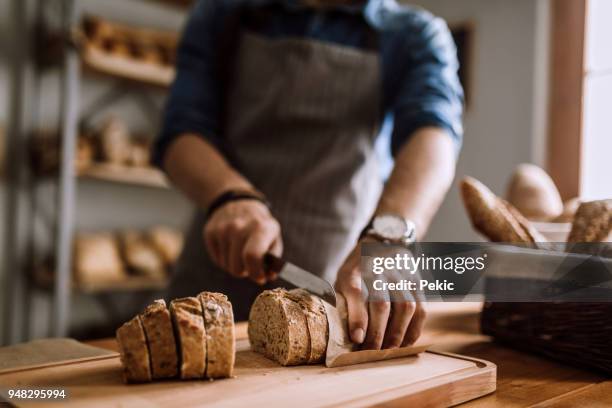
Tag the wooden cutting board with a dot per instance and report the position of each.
(429, 379)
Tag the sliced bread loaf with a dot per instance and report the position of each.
(190, 335)
(278, 328)
(220, 336)
(316, 320)
(134, 351)
(160, 338)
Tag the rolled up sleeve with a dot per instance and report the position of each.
(429, 92)
(193, 104)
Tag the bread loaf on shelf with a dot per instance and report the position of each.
(114, 140)
(168, 242)
(140, 255)
(97, 259)
(288, 326)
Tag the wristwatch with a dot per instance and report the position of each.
(391, 228)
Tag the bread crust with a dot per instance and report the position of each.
(134, 351)
(316, 320)
(278, 328)
(220, 335)
(592, 222)
(190, 334)
(495, 218)
(160, 338)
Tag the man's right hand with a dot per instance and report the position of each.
(239, 234)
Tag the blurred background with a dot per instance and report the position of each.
(90, 230)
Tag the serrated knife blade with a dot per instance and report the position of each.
(300, 278)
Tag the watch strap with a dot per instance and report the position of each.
(235, 195)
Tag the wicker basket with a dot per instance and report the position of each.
(575, 333)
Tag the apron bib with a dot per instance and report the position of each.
(301, 121)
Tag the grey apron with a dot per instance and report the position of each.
(301, 122)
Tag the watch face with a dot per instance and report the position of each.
(390, 227)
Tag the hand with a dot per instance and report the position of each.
(377, 324)
(239, 234)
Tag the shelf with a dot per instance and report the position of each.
(135, 54)
(142, 176)
(131, 283)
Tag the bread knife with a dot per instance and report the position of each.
(297, 277)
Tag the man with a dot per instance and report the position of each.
(270, 127)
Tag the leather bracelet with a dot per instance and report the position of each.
(235, 195)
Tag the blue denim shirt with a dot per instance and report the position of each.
(418, 56)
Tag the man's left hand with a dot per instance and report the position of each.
(376, 324)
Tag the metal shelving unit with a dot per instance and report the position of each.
(16, 305)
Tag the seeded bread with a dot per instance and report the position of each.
(190, 335)
(592, 224)
(220, 336)
(134, 351)
(493, 217)
(316, 320)
(160, 338)
(278, 328)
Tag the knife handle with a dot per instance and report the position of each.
(272, 263)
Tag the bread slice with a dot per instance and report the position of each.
(495, 218)
(278, 328)
(160, 337)
(134, 351)
(190, 335)
(220, 336)
(316, 321)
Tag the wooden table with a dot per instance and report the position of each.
(522, 379)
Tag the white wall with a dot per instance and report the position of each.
(597, 137)
(504, 115)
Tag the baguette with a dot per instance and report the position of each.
(190, 334)
(220, 335)
(160, 338)
(495, 218)
(134, 351)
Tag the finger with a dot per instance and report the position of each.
(277, 250)
(416, 325)
(223, 239)
(258, 243)
(235, 260)
(401, 315)
(356, 308)
(379, 315)
(212, 246)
